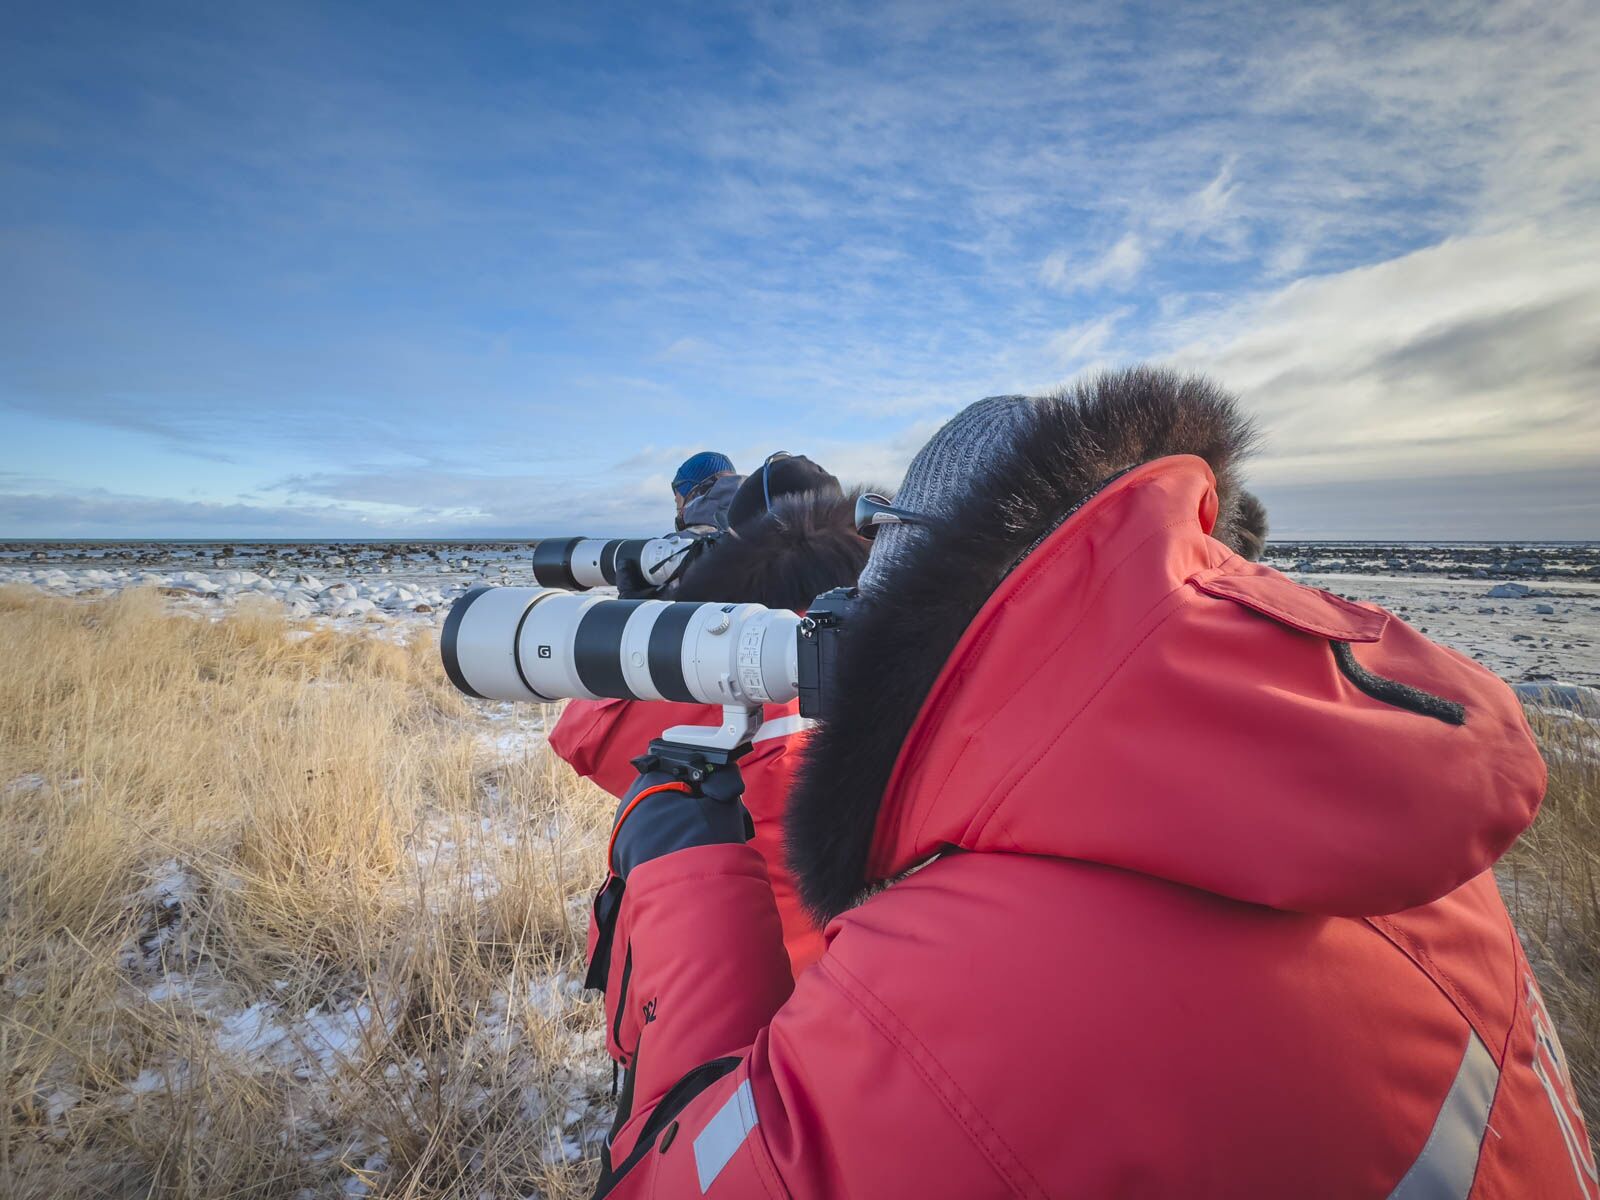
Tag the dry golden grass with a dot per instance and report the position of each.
(1551, 881)
(273, 921)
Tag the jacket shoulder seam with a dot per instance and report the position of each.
(1440, 978)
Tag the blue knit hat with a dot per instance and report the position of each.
(697, 468)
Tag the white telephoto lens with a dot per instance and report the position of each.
(543, 644)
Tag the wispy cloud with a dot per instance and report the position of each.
(1117, 267)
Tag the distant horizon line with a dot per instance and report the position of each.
(529, 541)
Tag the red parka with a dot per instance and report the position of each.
(1202, 910)
(600, 739)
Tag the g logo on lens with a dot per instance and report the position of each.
(544, 651)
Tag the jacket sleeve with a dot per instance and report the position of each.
(697, 964)
(697, 969)
(744, 1084)
(581, 732)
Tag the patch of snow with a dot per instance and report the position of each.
(31, 782)
(333, 1036)
(251, 1032)
(514, 745)
(172, 886)
(171, 989)
(151, 1080)
(60, 1102)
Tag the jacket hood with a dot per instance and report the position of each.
(785, 558)
(707, 506)
(1136, 693)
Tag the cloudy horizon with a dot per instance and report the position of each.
(421, 273)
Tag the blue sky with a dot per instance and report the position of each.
(437, 270)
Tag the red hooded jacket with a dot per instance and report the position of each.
(600, 739)
(1202, 910)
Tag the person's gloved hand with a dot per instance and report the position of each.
(631, 584)
(660, 814)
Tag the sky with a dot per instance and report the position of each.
(431, 271)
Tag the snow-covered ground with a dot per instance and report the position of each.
(344, 584)
(1522, 631)
(1528, 612)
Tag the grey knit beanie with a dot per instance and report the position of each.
(942, 471)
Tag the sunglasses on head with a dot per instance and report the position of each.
(873, 510)
(766, 475)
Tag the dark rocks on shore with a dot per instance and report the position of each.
(1465, 561)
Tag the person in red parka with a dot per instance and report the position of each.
(793, 537)
(1148, 871)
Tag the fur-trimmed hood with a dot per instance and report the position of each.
(901, 636)
(785, 558)
(1081, 669)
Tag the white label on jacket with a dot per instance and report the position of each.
(1550, 1065)
(717, 1143)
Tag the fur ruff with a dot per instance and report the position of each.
(806, 545)
(899, 638)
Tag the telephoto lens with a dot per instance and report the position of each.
(578, 564)
(544, 644)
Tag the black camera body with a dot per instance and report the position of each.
(818, 640)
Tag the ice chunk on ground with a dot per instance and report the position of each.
(192, 581)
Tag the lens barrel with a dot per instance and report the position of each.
(577, 564)
(544, 644)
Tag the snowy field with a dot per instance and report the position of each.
(1529, 612)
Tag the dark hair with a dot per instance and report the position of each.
(781, 475)
(784, 558)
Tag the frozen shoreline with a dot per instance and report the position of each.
(1529, 612)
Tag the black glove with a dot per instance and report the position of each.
(661, 813)
(631, 584)
(651, 823)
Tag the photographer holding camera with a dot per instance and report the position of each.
(1147, 871)
(703, 488)
(792, 537)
